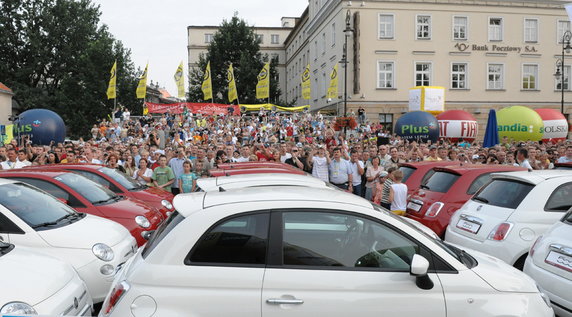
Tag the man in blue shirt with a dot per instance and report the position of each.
(567, 158)
(340, 171)
(176, 164)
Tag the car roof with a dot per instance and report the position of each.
(463, 169)
(4, 181)
(66, 165)
(534, 177)
(187, 204)
(427, 163)
(26, 171)
(268, 177)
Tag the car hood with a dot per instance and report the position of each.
(31, 277)
(129, 208)
(86, 232)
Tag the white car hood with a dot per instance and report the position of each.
(84, 233)
(30, 277)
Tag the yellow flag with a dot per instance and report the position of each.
(142, 87)
(9, 133)
(180, 80)
(333, 88)
(145, 109)
(111, 88)
(232, 94)
(306, 84)
(263, 86)
(207, 83)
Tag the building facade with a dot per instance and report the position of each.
(486, 53)
(5, 104)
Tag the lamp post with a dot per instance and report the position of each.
(566, 37)
(347, 33)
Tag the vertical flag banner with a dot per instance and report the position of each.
(111, 91)
(180, 81)
(333, 88)
(263, 86)
(142, 86)
(207, 83)
(306, 84)
(232, 94)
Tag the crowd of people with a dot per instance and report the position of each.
(172, 151)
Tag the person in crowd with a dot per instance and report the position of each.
(340, 171)
(23, 158)
(433, 154)
(398, 194)
(163, 176)
(143, 174)
(320, 159)
(11, 160)
(357, 171)
(187, 180)
(129, 165)
(113, 162)
(384, 200)
(372, 177)
(176, 164)
(567, 158)
(522, 159)
(295, 160)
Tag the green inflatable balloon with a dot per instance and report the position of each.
(520, 124)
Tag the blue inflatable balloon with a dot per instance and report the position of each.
(418, 126)
(41, 125)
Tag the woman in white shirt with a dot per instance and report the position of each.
(320, 164)
(372, 177)
(143, 174)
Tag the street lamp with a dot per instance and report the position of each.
(566, 37)
(347, 33)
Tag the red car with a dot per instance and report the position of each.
(89, 197)
(221, 172)
(229, 166)
(446, 190)
(414, 174)
(120, 184)
(563, 166)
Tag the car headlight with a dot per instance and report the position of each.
(102, 252)
(142, 221)
(166, 204)
(544, 296)
(18, 308)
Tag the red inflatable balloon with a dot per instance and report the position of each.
(457, 124)
(555, 125)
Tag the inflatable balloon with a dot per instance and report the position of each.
(41, 125)
(457, 124)
(555, 125)
(520, 124)
(417, 126)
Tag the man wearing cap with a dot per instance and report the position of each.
(432, 157)
(340, 171)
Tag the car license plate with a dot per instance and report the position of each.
(413, 206)
(468, 226)
(559, 260)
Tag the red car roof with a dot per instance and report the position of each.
(431, 163)
(66, 165)
(463, 169)
(26, 171)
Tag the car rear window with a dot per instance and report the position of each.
(407, 172)
(560, 200)
(440, 181)
(503, 193)
(478, 183)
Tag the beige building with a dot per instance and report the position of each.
(486, 53)
(5, 104)
(271, 44)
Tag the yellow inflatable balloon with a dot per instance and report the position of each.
(519, 124)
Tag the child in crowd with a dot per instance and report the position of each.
(398, 194)
(187, 180)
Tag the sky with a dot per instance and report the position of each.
(156, 30)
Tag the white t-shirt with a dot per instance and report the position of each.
(148, 173)
(7, 165)
(399, 197)
(283, 158)
(320, 168)
(356, 177)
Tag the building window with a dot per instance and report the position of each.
(386, 26)
(460, 26)
(423, 27)
(423, 74)
(567, 69)
(495, 76)
(530, 77)
(275, 39)
(275, 57)
(385, 74)
(562, 27)
(386, 120)
(316, 50)
(531, 30)
(323, 43)
(459, 76)
(260, 38)
(333, 34)
(208, 38)
(495, 29)
(325, 84)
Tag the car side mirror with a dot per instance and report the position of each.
(63, 200)
(419, 269)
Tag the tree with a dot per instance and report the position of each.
(235, 42)
(54, 55)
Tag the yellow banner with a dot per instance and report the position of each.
(207, 83)
(232, 94)
(9, 133)
(306, 84)
(333, 88)
(180, 81)
(269, 106)
(263, 86)
(142, 86)
(111, 88)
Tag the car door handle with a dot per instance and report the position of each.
(281, 301)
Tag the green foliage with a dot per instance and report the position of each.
(53, 55)
(235, 42)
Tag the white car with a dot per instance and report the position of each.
(33, 283)
(255, 180)
(507, 214)
(94, 246)
(550, 264)
(302, 251)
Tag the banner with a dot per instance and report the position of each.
(180, 81)
(111, 91)
(142, 86)
(202, 108)
(306, 84)
(333, 88)
(263, 86)
(232, 94)
(207, 83)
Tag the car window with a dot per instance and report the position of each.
(7, 226)
(91, 191)
(561, 199)
(323, 239)
(478, 183)
(407, 171)
(99, 179)
(427, 175)
(240, 240)
(53, 190)
(568, 217)
(503, 193)
(126, 181)
(441, 181)
(161, 233)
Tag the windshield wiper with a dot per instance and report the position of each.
(104, 200)
(424, 186)
(481, 199)
(53, 223)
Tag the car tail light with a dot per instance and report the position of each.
(500, 232)
(434, 209)
(533, 248)
(116, 294)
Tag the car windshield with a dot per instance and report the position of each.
(34, 206)
(440, 181)
(407, 172)
(567, 219)
(505, 193)
(92, 191)
(126, 181)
